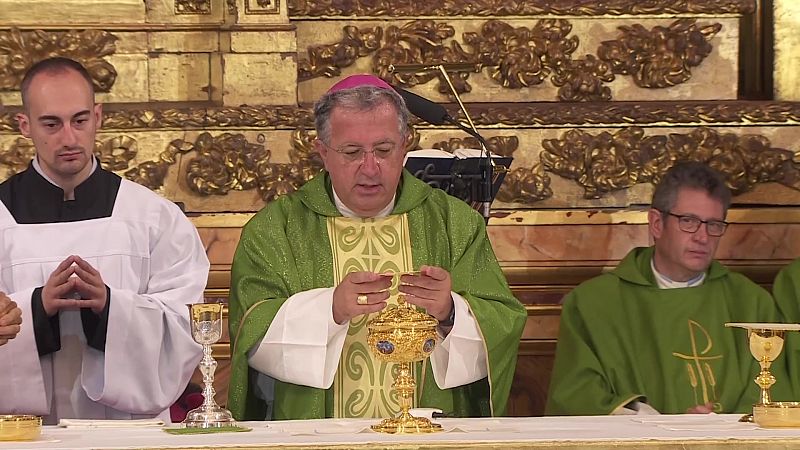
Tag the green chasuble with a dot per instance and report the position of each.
(623, 339)
(786, 291)
(284, 249)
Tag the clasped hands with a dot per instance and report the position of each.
(367, 292)
(74, 284)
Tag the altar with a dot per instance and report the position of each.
(653, 432)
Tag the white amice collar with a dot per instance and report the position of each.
(665, 282)
(40, 171)
(347, 212)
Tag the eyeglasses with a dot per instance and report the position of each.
(691, 224)
(356, 154)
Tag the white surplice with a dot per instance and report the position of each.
(303, 343)
(152, 259)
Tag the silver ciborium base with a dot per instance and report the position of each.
(209, 417)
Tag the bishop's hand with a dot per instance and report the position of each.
(430, 290)
(10, 319)
(360, 293)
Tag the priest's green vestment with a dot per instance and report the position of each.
(623, 339)
(284, 249)
(786, 291)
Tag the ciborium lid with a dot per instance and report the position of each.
(403, 317)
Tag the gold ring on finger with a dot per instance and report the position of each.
(362, 299)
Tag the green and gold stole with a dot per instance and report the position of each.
(362, 386)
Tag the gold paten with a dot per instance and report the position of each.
(20, 427)
(777, 415)
(403, 335)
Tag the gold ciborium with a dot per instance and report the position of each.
(206, 321)
(403, 335)
(766, 343)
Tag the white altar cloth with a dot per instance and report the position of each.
(485, 432)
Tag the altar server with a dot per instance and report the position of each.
(101, 268)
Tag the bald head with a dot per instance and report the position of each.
(52, 66)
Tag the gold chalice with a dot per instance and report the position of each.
(403, 335)
(766, 343)
(206, 320)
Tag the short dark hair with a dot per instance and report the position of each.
(691, 175)
(360, 98)
(56, 64)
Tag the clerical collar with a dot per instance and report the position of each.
(665, 282)
(40, 171)
(347, 212)
(31, 197)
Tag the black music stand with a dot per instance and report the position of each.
(463, 178)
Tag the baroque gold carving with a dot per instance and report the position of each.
(517, 57)
(223, 163)
(18, 156)
(691, 113)
(155, 118)
(25, 48)
(512, 115)
(498, 145)
(662, 56)
(116, 153)
(320, 8)
(607, 162)
(582, 80)
(229, 162)
(282, 179)
(415, 42)
(192, 6)
(525, 185)
(113, 154)
(153, 173)
(327, 60)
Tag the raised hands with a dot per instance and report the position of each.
(74, 284)
(430, 290)
(360, 293)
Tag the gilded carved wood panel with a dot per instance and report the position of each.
(544, 60)
(208, 101)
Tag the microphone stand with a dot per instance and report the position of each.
(484, 202)
(487, 166)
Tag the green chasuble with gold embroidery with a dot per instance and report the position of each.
(285, 249)
(623, 339)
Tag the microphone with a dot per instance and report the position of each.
(433, 113)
